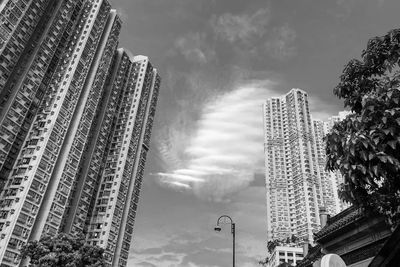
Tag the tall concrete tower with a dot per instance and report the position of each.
(29, 55)
(114, 211)
(41, 180)
(76, 116)
(336, 177)
(329, 184)
(296, 181)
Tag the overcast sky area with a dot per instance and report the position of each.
(219, 60)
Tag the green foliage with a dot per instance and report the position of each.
(272, 244)
(264, 262)
(294, 239)
(282, 264)
(63, 250)
(282, 242)
(365, 147)
(289, 241)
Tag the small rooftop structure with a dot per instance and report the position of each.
(289, 254)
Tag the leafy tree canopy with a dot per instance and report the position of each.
(63, 250)
(282, 242)
(365, 147)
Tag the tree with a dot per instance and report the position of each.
(63, 250)
(272, 244)
(264, 262)
(365, 147)
(294, 239)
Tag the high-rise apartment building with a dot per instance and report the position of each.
(296, 181)
(114, 212)
(329, 185)
(19, 21)
(75, 125)
(278, 185)
(334, 119)
(336, 177)
(28, 57)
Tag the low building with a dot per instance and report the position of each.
(389, 255)
(291, 255)
(353, 234)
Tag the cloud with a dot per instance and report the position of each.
(211, 250)
(194, 48)
(344, 9)
(381, 2)
(207, 258)
(281, 43)
(169, 257)
(177, 176)
(252, 35)
(151, 251)
(185, 231)
(226, 148)
(145, 264)
(243, 27)
(183, 97)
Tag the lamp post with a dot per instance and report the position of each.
(218, 229)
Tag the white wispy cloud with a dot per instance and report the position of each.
(177, 176)
(226, 148)
(179, 184)
(344, 9)
(252, 34)
(281, 43)
(169, 151)
(194, 47)
(241, 27)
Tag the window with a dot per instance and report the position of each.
(22, 170)
(26, 160)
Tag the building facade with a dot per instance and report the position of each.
(328, 182)
(336, 177)
(279, 225)
(296, 181)
(114, 211)
(288, 254)
(75, 124)
(25, 76)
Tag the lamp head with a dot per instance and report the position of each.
(217, 228)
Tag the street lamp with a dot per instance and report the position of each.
(218, 228)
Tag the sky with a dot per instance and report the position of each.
(219, 60)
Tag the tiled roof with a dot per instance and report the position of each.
(314, 253)
(389, 254)
(339, 221)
